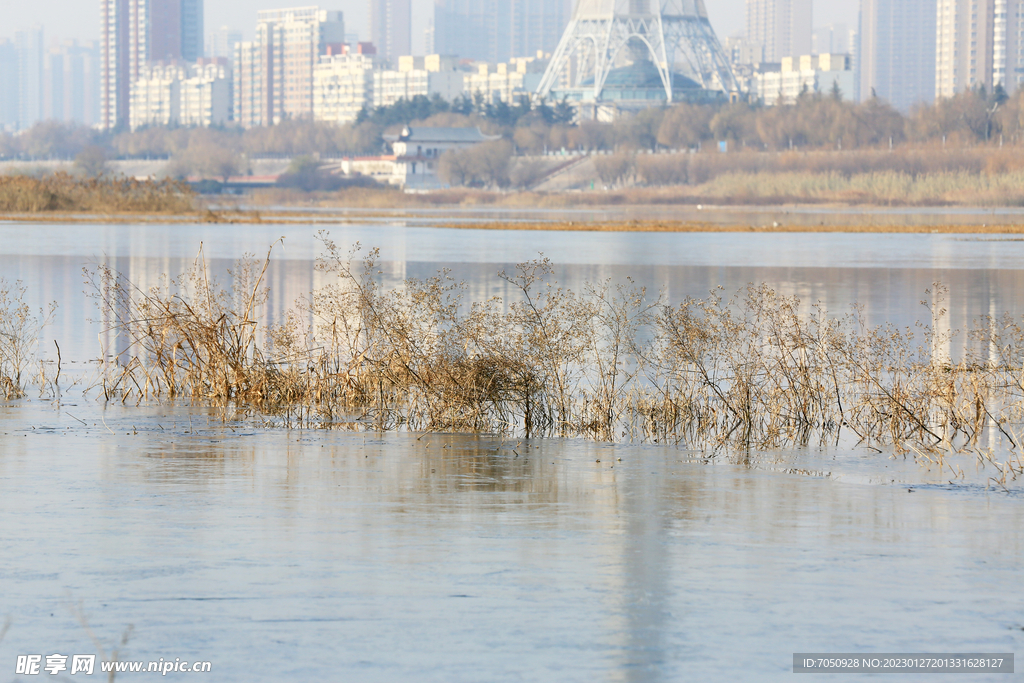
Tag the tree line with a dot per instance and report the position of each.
(813, 122)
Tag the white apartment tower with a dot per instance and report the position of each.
(29, 44)
(978, 43)
(897, 51)
(134, 33)
(1008, 44)
(274, 73)
(71, 83)
(780, 28)
(182, 94)
(342, 86)
(121, 57)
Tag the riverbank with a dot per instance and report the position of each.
(661, 226)
(964, 187)
(646, 219)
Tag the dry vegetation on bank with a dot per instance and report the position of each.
(982, 176)
(612, 362)
(961, 151)
(884, 189)
(63, 192)
(957, 151)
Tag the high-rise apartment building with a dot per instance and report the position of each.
(978, 43)
(1008, 44)
(115, 80)
(8, 85)
(176, 30)
(221, 43)
(274, 73)
(836, 39)
(343, 86)
(536, 26)
(896, 55)
(71, 89)
(156, 95)
(192, 30)
(134, 33)
(29, 44)
(183, 94)
(468, 28)
(206, 94)
(249, 99)
(780, 28)
(498, 30)
(391, 27)
(59, 84)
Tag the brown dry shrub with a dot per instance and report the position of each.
(759, 370)
(663, 169)
(1004, 161)
(611, 169)
(64, 192)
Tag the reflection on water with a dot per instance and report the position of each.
(295, 555)
(885, 273)
(301, 556)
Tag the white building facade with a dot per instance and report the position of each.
(205, 96)
(979, 43)
(779, 28)
(508, 81)
(136, 33)
(156, 96)
(391, 86)
(343, 86)
(896, 58)
(274, 73)
(809, 73)
(418, 76)
(417, 153)
(182, 94)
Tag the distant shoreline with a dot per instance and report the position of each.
(661, 226)
(719, 219)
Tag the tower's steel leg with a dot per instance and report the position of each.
(677, 35)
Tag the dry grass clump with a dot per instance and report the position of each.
(906, 176)
(189, 337)
(881, 188)
(64, 192)
(19, 336)
(759, 370)
(390, 197)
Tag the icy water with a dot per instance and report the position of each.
(299, 556)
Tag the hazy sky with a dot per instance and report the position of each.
(80, 18)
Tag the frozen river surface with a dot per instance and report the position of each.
(298, 556)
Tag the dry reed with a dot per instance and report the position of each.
(19, 337)
(906, 176)
(64, 192)
(611, 362)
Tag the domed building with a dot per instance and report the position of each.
(622, 55)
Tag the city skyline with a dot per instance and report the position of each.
(73, 19)
(499, 34)
(136, 33)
